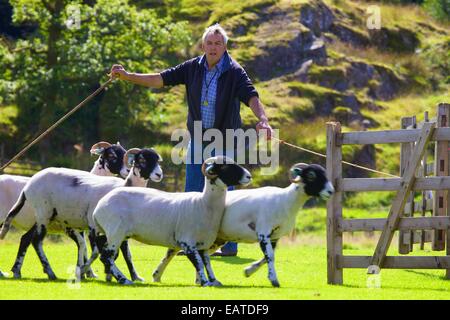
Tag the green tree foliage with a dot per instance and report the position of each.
(440, 9)
(70, 54)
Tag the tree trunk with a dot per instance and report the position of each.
(49, 108)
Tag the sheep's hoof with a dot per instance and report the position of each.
(248, 272)
(156, 279)
(125, 282)
(108, 277)
(52, 276)
(1, 275)
(137, 278)
(91, 274)
(275, 283)
(214, 283)
(17, 275)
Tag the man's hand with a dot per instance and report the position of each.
(118, 72)
(265, 127)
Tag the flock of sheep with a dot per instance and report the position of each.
(113, 210)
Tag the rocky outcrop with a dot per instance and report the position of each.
(398, 39)
(317, 17)
(359, 74)
(389, 83)
(287, 55)
(350, 35)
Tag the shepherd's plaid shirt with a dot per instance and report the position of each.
(209, 111)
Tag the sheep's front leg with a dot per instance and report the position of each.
(37, 241)
(196, 260)
(125, 248)
(207, 262)
(25, 242)
(157, 274)
(107, 257)
(266, 247)
(211, 250)
(258, 264)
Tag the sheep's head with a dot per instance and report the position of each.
(314, 179)
(226, 171)
(145, 161)
(110, 158)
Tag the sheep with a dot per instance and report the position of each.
(187, 221)
(65, 198)
(110, 162)
(265, 215)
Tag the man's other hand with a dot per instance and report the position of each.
(264, 127)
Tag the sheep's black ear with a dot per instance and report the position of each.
(160, 159)
(294, 174)
(210, 169)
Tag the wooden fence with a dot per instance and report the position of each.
(414, 140)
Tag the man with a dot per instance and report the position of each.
(215, 86)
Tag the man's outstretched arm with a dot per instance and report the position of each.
(152, 80)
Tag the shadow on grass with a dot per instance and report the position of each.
(351, 286)
(134, 285)
(162, 285)
(233, 260)
(428, 275)
(38, 280)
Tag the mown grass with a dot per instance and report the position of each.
(301, 268)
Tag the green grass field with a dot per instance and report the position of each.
(301, 268)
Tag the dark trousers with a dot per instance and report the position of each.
(195, 181)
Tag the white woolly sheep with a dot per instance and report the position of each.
(187, 221)
(110, 162)
(265, 214)
(65, 198)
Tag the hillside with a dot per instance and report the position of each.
(312, 61)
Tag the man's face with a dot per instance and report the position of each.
(214, 48)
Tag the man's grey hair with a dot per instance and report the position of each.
(215, 29)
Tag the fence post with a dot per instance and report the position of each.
(405, 155)
(446, 106)
(441, 168)
(334, 205)
(424, 192)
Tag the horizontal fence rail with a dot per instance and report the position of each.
(391, 136)
(390, 262)
(391, 184)
(377, 224)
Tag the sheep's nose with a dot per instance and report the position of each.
(158, 175)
